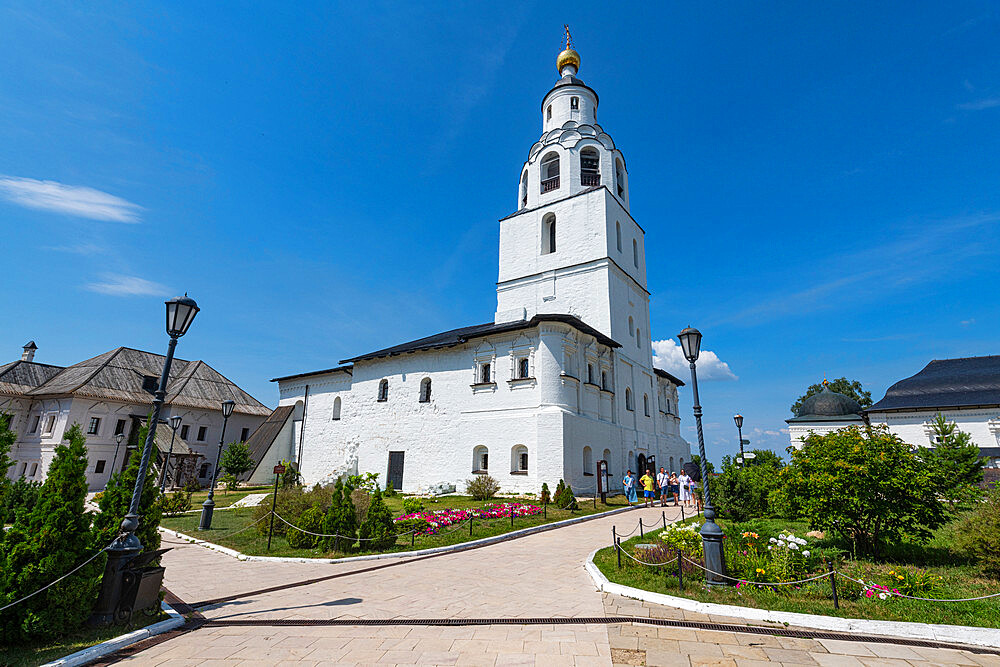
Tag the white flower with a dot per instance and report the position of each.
(772, 540)
(801, 541)
(781, 543)
(806, 553)
(782, 537)
(882, 596)
(793, 546)
(768, 547)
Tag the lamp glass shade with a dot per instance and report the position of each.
(690, 343)
(175, 422)
(180, 313)
(119, 438)
(227, 408)
(739, 421)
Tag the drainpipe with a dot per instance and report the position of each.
(302, 430)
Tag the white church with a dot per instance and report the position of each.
(562, 377)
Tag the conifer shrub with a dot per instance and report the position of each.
(559, 489)
(293, 501)
(340, 520)
(389, 491)
(175, 503)
(18, 497)
(310, 520)
(378, 532)
(565, 499)
(979, 533)
(45, 544)
(117, 497)
(482, 487)
(360, 501)
(412, 505)
(7, 439)
(545, 496)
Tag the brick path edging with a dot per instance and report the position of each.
(92, 653)
(482, 542)
(961, 634)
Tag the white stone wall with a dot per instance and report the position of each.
(914, 427)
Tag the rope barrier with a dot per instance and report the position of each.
(911, 597)
(346, 537)
(249, 525)
(758, 583)
(674, 559)
(30, 595)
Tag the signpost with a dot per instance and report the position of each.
(602, 480)
(279, 470)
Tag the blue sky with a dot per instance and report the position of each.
(819, 183)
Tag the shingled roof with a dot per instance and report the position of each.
(119, 375)
(946, 383)
(262, 439)
(18, 377)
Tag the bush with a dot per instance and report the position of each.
(46, 544)
(415, 524)
(291, 476)
(230, 482)
(192, 484)
(389, 491)
(311, 520)
(378, 532)
(545, 497)
(744, 492)
(340, 519)
(236, 460)
(564, 499)
(412, 505)
(979, 533)
(118, 496)
(868, 485)
(292, 502)
(482, 487)
(368, 482)
(175, 503)
(18, 497)
(360, 501)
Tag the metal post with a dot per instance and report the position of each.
(833, 584)
(614, 536)
(682, 514)
(743, 461)
(664, 513)
(641, 534)
(470, 526)
(274, 505)
(512, 517)
(208, 507)
(680, 570)
(413, 538)
(711, 534)
(618, 548)
(127, 545)
(166, 461)
(545, 510)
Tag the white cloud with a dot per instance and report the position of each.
(76, 200)
(119, 285)
(979, 105)
(667, 355)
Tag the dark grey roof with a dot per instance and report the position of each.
(570, 80)
(18, 377)
(459, 336)
(991, 452)
(31, 345)
(663, 374)
(346, 369)
(946, 383)
(827, 404)
(825, 418)
(264, 436)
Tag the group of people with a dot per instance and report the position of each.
(662, 486)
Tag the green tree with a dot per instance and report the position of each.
(565, 499)
(740, 492)
(45, 544)
(954, 461)
(378, 532)
(340, 519)
(7, 439)
(843, 386)
(867, 485)
(20, 496)
(117, 497)
(978, 533)
(236, 459)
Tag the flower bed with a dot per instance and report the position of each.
(446, 517)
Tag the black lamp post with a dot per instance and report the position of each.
(175, 423)
(208, 507)
(739, 429)
(181, 311)
(118, 443)
(711, 534)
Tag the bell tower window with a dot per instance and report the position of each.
(548, 113)
(590, 167)
(620, 179)
(549, 234)
(524, 189)
(574, 103)
(635, 253)
(618, 233)
(550, 172)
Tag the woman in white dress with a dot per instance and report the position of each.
(685, 483)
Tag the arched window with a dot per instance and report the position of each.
(672, 464)
(590, 167)
(604, 380)
(480, 459)
(336, 408)
(631, 325)
(550, 172)
(645, 404)
(635, 253)
(620, 179)
(425, 390)
(485, 374)
(628, 399)
(548, 113)
(590, 373)
(607, 457)
(549, 234)
(524, 189)
(638, 338)
(518, 459)
(588, 461)
(383, 390)
(574, 103)
(618, 233)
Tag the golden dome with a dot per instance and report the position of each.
(568, 57)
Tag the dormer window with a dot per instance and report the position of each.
(590, 167)
(550, 172)
(574, 103)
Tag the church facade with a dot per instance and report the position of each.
(561, 378)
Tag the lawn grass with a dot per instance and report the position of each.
(45, 651)
(254, 541)
(959, 579)
(225, 498)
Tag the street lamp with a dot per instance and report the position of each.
(118, 443)
(181, 311)
(711, 534)
(208, 506)
(175, 423)
(739, 429)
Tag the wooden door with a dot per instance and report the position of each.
(396, 470)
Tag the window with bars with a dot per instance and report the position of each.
(522, 368)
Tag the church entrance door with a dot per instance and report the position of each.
(641, 465)
(396, 470)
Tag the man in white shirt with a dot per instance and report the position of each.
(685, 483)
(663, 481)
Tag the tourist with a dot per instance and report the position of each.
(629, 484)
(685, 483)
(663, 481)
(648, 493)
(675, 487)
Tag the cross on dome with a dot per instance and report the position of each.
(568, 62)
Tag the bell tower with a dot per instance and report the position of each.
(572, 246)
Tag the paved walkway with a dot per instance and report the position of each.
(540, 575)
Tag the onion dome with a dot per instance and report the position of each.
(568, 58)
(828, 404)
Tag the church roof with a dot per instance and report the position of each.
(459, 336)
(663, 374)
(827, 405)
(946, 383)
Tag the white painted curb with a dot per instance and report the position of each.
(92, 653)
(960, 634)
(399, 554)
